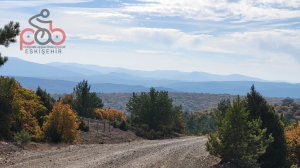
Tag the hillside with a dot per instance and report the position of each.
(189, 101)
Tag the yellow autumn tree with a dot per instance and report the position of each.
(20, 109)
(114, 114)
(68, 99)
(292, 134)
(110, 114)
(30, 109)
(62, 124)
(99, 113)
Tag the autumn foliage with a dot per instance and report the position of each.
(62, 124)
(20, 109)
(292, 134)
(110, 114)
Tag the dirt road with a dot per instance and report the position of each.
(184, 152)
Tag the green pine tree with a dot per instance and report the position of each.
(8, 35)
(86, 102)
(154, 113)
(7, 86)
(238, 140)
(276, 153)
(47, 101)
(46, 98)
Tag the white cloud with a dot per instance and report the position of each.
(16, 4)
(170, 38)
(101, 37)
(259, 44)
(213, 49)
(280, 3)
(266, 44)
(149, 52)
(101, 14)
(244, 10)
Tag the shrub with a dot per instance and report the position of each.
(123, 126)
(23, 136)
(115, 125)
(83, 126)
(149, 134)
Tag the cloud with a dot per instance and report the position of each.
(158, 37)
(109, 15)
(16, 4)
(213, 49)
(149, 52)
(276, 40)
(212, 10)
(101, 37)
(258, 44)
(273, 47)
(216, 10)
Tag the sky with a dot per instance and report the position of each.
(258, 38)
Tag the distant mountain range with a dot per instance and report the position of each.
(63, 77)
(97, 74)
(61, 86)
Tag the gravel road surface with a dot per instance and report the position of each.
(184, 152)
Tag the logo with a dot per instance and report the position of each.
(42, 36)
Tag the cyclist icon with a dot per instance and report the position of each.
(44, 14)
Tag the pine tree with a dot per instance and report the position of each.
(154, 112)
(46, 98)
(223, 105)
(276, 153)
(7, 36)
(3, 60)
(86, 102)
(7, 88)
(238, 140)
(81, 92)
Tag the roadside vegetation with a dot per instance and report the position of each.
(152, 115)
(252, 133)
(28, 115)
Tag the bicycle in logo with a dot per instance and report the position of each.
(44, 13)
